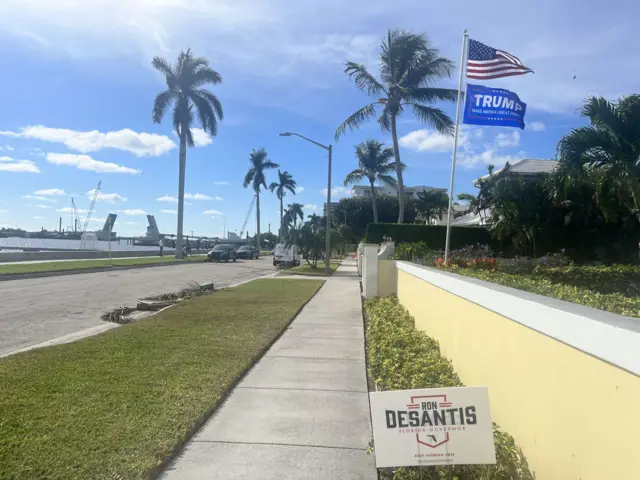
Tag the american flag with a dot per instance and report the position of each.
(485, 63)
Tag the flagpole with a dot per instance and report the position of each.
(463, 62)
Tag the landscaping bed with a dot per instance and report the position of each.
(400, 357)
(306, 269)
(118, 405)
(62, 265)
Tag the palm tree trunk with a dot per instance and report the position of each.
(258, 221)
(281, 233)
(373, 203)
(181, 173)
(396, 152)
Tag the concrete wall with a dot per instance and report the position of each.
(563, 379)
(387, 277)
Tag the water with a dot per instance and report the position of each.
(50, 243)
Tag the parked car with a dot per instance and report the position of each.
(287, 254)
(222, 252)
(248, 252)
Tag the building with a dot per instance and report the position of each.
(526, 168)
(411, 192)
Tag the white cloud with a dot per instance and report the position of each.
(536, 126)
(172, 212)
(133, 212)
(200, 137)
(507, 141)
(221, 183)
(37, 217)
(167, 198)
(54, 192)
(140, 144)
(212, 212)
(19, 166)
(337, 192)
(299, 189)
(98, 219)
(489, 156)
(217, 198)
(39, 198)
(6, 159)
(85, 162)
(43, 206)
(106, 197)
(311, 206)
(197, 196)
(70, 210)
(132, 223)
(425, 140)
(9, 148)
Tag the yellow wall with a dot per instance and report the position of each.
(573, 415)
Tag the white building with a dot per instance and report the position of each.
(411, 192)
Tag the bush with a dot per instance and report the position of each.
(401, 357)
(432, 235)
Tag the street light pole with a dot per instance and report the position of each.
(327, 253)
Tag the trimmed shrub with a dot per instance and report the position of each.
(432, 235)
(401, 357)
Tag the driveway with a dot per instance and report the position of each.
(36, 310)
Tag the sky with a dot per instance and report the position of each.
(78, 88)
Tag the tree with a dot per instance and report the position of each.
(374, 164)
(610, 146)
(294, 211)
(311, 241)
(285, 182)
(431, 204)
(409, 66)
(255, 177)
(184, 80)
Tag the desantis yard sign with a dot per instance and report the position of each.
(434, 426)
(494, 107)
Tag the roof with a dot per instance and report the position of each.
(529, 166)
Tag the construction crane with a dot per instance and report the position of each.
(244, 225)
(93, 205)
(76, 218)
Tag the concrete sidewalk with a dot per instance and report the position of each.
(302, 412)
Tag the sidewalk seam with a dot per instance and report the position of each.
(283, 445)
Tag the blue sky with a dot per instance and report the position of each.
(78, 89)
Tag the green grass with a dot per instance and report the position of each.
(305, 269)
(18, 268)
(115, 405)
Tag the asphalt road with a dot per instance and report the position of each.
(36, 310)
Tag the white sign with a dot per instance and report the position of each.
(432, 426)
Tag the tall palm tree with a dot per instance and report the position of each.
(255, 177)
(285, 182)
(431, 204)
(409, 66)
(375, 163)
(610, 146)
(184, 80)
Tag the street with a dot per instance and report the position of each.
(37, 310)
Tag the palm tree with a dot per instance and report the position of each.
(375, 163)
(184, 80)
(409, 67)
(295, 211)
(432, 204)
(285, 182)
(255, 176)
(610, 146)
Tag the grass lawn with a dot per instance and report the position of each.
(305, 269)
(115, 405)
(17, 268)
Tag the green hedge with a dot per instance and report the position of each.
(401, 357)
(433, 235)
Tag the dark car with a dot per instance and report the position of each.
(248, 252)
(222, 253)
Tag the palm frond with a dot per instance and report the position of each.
(291, 188)
(385, 119)
(602, 114)
(356, 119)
(273, 186)
(434, 117)
(204, 76)
(269, 165)
(586, 145)
(388, 180)
(354, 177)
(426, 70)
(189, 136)
(430, 95)
(160, 104)
(164, 67)
(363, 79)
(213, 100)
(205, 114)
(248, 177)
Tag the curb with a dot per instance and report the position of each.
(178, 449)
(77, 271)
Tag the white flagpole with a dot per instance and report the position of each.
(463, 68)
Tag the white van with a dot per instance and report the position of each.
(286, 254)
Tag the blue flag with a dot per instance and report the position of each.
(495, 107)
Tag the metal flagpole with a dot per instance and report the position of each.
(463, 68)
